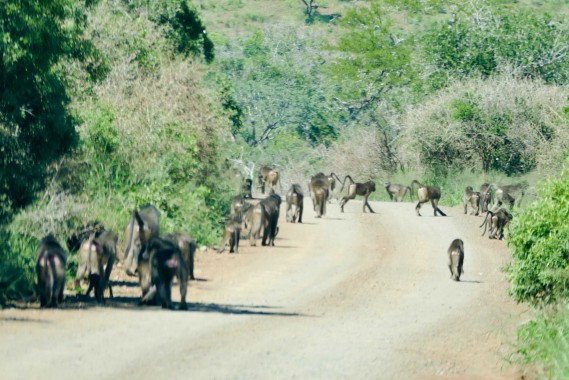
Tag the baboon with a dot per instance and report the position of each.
(50, 270)
(231, 235)
(143, 225)
(428, 193)
(397, 191)
(319, 192)
(473, 198)
(89, 230)
(331, 179)
(160, 260)
(256, 219)
(485, 196)
(512, 194)
(295, 198)
(236, 206)
(456, 259)
(269, 176)
(96, 260)
(272, 209)
(363, 189)
(497, 222)
(247, 189)
(187, 247)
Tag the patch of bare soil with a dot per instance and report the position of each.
(350, 295)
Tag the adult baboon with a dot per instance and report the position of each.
(512, 194)
(295, 198)
(496, 223)
(456, 259)
(272, 209)
(247, 188)
(96, 260)
(256, 219)
(50, 270)
(187, 247)
(231, 235)
(428, 193)
(319, 192)
(143, 225)
(485, 196)
(162, 260)
(268, 176)
(397, 191)
(331, 179)
(356, 188)
(473, 198)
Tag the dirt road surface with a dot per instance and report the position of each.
(348, 296)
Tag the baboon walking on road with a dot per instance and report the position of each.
(269, 176)
(354, 189)
(144, 224)
(294, 198)
(473, 198)
(496, 223)
(397, 191)
(511, 194)
(456, 259)
(485, 196)
(428, 193)
(50, 270)
(319, 188)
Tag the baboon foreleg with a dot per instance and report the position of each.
(366, 203)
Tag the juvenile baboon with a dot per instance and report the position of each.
(355, 188)
(485, 196)
(268, 176)
(143, 225)
(272, 209)
(187, 247)
(428, 193)
(473, 198)
(256, 219)
(496, 223)
(512, 194)
(247, 188)
(162, 261)
(295, 198)
(456, 259)
(397, 191)
(50, 270)
(319, 192)
(231, 235)
(96, 260)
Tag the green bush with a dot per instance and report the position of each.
(539, 241)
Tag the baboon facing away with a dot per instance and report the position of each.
(256, 219)
(511, 194)
(247, 188)
(231, 235)
(397, 191)
(425, 194)
(143, 225)
(164, 261)
(272, 206)
(319, 192)
(456, 259)
(96, 260)
(496, 223)
(50, 270)
(356, 188)
(187, 246)
(294, 198)
(485, 196)
(268, 176)
(471, 198)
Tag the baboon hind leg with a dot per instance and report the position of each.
(366, 203)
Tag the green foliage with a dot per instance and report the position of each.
(481, 43)
(539, 242)
(36, 126)
(16, 272)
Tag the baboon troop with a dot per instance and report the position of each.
(397, 191)
(143, 225)
(425, 194)
(456, 259)
(354, 189)
(294, 200)
(50, 270)
(471, 198)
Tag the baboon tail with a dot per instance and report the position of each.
(410, 193)
(335, 176)
(343, 183)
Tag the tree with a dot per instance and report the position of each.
(36, 126)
